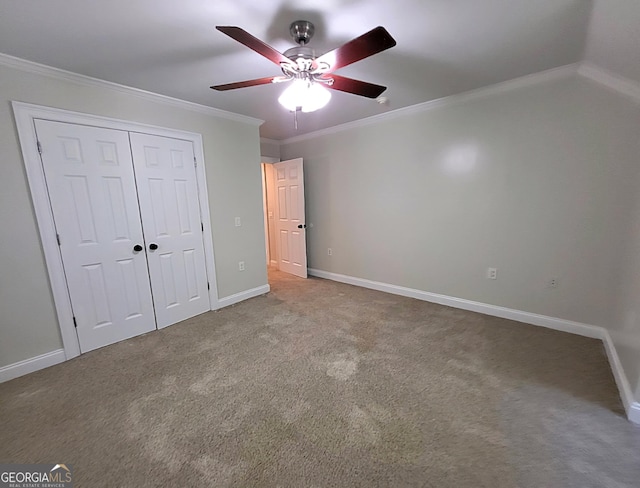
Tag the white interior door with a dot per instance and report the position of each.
(290, 222)
(168, 196)
(92, 190)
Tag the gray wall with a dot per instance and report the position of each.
(540, 182)
(270, 149)
(614, 37)
(612, 44)
(28, 325)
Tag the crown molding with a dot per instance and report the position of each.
(270, 141)
(488, 91)
(60, 74)
(624, 86)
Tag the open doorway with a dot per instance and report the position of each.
(269, 208)
(284, 216)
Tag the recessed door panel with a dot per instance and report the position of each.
(283, 207)
(177, 158)
(296, 257)
(109, 152)
(168, 281)
(182, 204)
(151, 156)
(157, 208)
(284, 246)
(71, 150)
(82, 208)
(98, 291)
(93, 197)
(131, 286)
(117, 208)
(190, 267)
(294, 203)
(168, 196)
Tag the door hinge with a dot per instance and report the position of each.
(58, 238)
(75, 324)
(202, 226)
(39, 147)
(208, 286)
(195, 162)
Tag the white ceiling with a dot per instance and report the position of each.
(171, 47)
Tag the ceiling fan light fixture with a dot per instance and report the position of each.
(304, 95)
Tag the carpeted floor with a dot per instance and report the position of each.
(321, 384)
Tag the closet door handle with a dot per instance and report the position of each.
(137, 248)
(153, 246)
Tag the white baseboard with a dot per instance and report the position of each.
(243, 295)
(633, 413)
(563, 325)
(31, 365)
(631, 406)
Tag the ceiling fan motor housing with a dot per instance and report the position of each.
(299, 52)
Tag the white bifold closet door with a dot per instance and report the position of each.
(118, 286)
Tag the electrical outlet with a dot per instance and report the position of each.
(492, 273)
(241, 266)
(329, 252)
(552, 283)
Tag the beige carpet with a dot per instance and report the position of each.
(320, 384)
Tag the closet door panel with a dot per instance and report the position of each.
(91, 185)
(169, 206)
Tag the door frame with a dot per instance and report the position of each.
(25, 115)
(264, 160)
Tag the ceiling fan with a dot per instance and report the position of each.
(310, 74)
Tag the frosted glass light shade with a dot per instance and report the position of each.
(309, 96)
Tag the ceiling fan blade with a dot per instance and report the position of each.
(356, 87)
(244, 84)
(373, 42)
(243, 37)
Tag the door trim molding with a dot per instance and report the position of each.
(25, 115)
